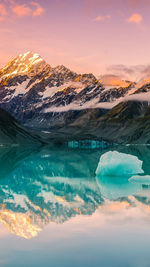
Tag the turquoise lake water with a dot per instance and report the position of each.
(56, 211)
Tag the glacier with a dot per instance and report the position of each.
(114, 163)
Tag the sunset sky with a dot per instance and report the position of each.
(84, 35)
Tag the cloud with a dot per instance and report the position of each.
(100, 18)
(135, 18)
(146, 70)
(39, 10)
(3, 12)
(22, 10)
(27, 10)
(121, 69)
(134, 73)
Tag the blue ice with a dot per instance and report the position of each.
(114, 163)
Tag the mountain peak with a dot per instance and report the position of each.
(61, 69)
(28, 63)
(29, 56)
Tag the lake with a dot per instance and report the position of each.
(55, 210)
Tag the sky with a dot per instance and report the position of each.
(85, 35)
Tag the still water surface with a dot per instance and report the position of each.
(55, 210)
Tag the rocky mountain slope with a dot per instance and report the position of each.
(127, 123)
(58, 100)
(34, 92)
(11, 132)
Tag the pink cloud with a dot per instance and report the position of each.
(27, 10)
(135, 18)
(101, 18)
(39, 10)
(22, 10)
(3, 12)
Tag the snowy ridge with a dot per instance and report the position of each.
(24, 64)
(29, 87)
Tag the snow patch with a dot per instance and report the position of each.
(78, 86)
(50, 91)
(19, 89)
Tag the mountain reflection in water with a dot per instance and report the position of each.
(40, 186)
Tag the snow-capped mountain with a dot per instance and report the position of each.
(35, 93)
(28, 63)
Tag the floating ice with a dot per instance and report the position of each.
(137, 179)
(113, 163)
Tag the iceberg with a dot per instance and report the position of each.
(114, 163)
(143, 180)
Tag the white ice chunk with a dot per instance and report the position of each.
(113, 163)
(137, 179)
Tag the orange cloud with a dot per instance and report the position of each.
(100, 18)
(39, 10)
(22, 10)
(3, 12)
(135, 18)
(27, 10)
